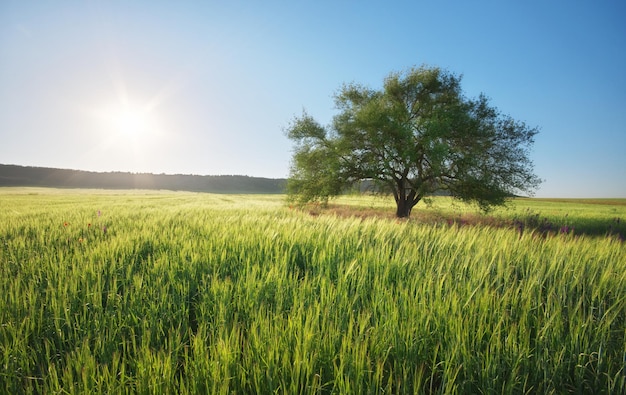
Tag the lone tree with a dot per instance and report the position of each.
(417, 136)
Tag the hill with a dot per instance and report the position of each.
(26, 176)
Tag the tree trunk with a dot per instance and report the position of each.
(404, 207)
(406, 198)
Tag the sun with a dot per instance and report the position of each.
(128, 127)
(130, 122)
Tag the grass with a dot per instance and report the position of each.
(163, 292)
(582, 217)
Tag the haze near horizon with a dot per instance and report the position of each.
(207, 88)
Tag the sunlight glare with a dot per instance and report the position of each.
(130, 123)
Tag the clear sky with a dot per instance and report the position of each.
(207, 87)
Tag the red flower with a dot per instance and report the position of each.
(65, 223)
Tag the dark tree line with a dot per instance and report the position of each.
(12, 175)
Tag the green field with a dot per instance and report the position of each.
(174, 292)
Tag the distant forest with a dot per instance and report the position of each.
(23, 176)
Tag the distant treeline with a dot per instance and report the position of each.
(12, 175)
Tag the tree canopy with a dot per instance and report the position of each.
(416, 136)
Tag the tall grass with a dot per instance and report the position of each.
(198, 293)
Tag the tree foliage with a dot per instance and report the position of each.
(416, 136)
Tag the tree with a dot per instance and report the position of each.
(417, 136)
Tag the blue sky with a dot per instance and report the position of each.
(208, 87)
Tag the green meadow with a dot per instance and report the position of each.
(172, 292)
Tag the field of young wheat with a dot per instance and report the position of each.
(163, 292)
